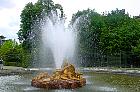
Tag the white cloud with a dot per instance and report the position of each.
(10, 11)
(6, 4)
(10, 17)
(72, 6)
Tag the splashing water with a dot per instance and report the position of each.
(58, 39)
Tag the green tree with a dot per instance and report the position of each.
(120, 33)
(31, 17)
(107, 34)
(11, 53)
(89, 26)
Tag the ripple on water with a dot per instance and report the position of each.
(30, 89)
(108, 89)
(7, 79)
(88, 82)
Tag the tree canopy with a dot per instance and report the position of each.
(31, 16)
(103, 34)
(11, 51)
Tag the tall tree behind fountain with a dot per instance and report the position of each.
(43, 34)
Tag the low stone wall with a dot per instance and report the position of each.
(5, 72)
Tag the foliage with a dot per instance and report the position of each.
(121, 32)
(8, 51)
(107, 34)
(89, 28)
(12, 53)
(31, 16)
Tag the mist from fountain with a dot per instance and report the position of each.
(60, 40)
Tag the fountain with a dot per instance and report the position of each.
(64, 78)
(61, 43)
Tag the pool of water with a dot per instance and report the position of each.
(22, 83)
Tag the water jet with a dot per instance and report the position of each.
(61, 42)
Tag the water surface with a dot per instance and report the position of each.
(96, 82)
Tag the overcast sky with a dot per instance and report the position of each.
(10, 11)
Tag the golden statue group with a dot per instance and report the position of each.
(64, 78)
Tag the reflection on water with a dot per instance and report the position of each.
(22, 83)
